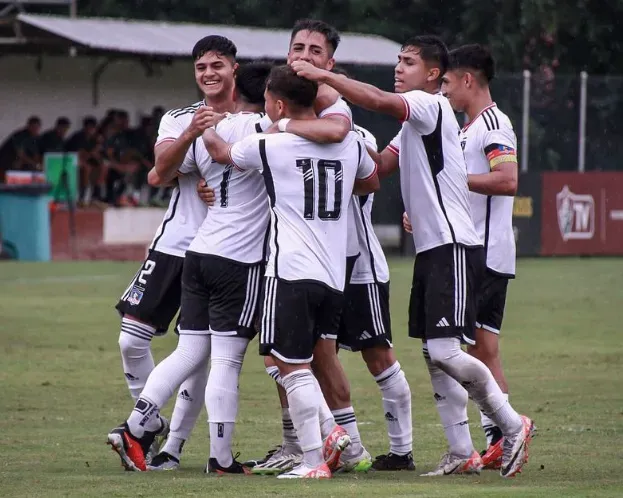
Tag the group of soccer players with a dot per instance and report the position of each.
(269, 232)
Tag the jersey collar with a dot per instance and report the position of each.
(493, 104)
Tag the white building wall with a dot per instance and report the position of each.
(63, 86)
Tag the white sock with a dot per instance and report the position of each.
(325, 416)
(190, 354)
(304, 402)
(474, 376)
(290, 442)
(135, 346)
(451, 400)
(144, 417)
(188, 404)
(222, 394)
(346, 418)
(396, 396)
(488, 425)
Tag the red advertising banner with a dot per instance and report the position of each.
(582, 213)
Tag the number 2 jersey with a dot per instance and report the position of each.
(186, 210)
(236, 226)
(309, 186)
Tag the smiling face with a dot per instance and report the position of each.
(455, 85)
(411, 72)
(312, 47)
(214, 74)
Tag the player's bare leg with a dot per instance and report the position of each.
(487, 350)
(396, 395)
(336, 390)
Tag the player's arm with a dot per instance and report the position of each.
(154, 180)
(502, 179)
(173, 142)
(216, 146)
(327, 130)
(367, 179)
(359, 93)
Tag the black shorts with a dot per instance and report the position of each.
(219, 296)
(444, 292)
(154, 293)
(295, 315)
(491, 302)
(365, 321)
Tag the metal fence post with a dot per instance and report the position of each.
(582, 127)
(525, 124)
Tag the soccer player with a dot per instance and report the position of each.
(316, 42)
(450, 256)
(222, 275)
(152, 298)
(308, 186)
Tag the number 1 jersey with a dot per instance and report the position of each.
(309, 186)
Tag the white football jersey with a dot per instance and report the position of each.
(309, 186)
(236, 227)
(371, 265)
(490, 137)
(186, 210)
(341, 108)
(433, 174)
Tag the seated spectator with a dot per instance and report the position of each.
(88, 144)
(21, 150)
(54, 140)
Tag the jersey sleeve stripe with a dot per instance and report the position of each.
(393, 149)
(163, 140)
(407, 109)
(345, 116)
(371, 174)
(231, 159)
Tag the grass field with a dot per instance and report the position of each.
(62, 389)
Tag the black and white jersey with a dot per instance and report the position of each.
(236, 226)
(489, 139)
(433, 174)
(186, 210)
(371, 265)
(309, 186)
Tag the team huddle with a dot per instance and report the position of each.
(269, 233)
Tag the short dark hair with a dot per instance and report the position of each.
(251, 81)
(63, 121)
(475, 57)
(215, 43)
(340, 70)
(432, 50)
(286, 84)
(330, 33)
(89, 121)
(33, 120)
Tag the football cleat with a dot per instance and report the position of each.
(236, 467)
(361, 463)
(492, 456)
(515, 448)
(278, 463)
(305, 472)
(130, 449)
(335, 443)
(163, 461)
(392, 462)
(452, 464)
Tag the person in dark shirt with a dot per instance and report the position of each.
(21, 151)
(87, 143)
(54, 140)
(121, 160)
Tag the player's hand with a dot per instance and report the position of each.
(406, 224)
(306, 70)
(203, 118)
(273, 128)
(206, 194)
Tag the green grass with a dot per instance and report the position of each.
(62, 389)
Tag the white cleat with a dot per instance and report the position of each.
(452, 464)
(163, 461)
(515, 448)
(305, 472)
(361, 463)
(279, 462)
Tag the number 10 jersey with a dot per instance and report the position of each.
(309, 186)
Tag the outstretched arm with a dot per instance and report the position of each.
(217, 147)
(361, 94)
